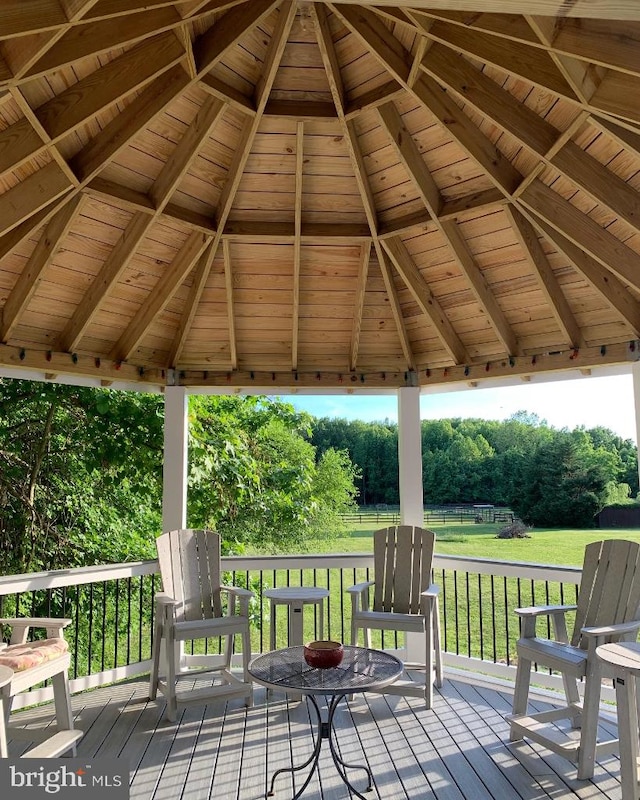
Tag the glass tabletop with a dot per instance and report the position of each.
(361, 670)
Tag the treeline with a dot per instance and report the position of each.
(549, 477)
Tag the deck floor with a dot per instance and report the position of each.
(458, 750)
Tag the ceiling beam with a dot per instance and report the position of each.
(228, 285)
(173, 276)
(358, 306)
(32, 273)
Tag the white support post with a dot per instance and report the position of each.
(410, 456)
(635, 371)
(174, 469)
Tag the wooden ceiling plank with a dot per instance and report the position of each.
(297, 245)
(625, 137)
(602, 184)
(330, 61)
(108, 84)
(605, 9)
(228, 286)
(102, 285)
(211, 46)
(391, 90)
(617, 94)
(19, 18)
(476, 88)
(329, 55)
(247, 135)
(375, 35)
(228, 94)
(358, 306)
(119, 195)
(189, 9)
(300, 109)
(613, 291)
(583, 78)
(425, 298)
(19, 143)
(186, 151)
(611, 44)
(286, 16)
(48, 245)
(32, 194)
(199, 280)
(509, 26)
(95, 37)
(545, 276)
(411, 157)
(406, 223)
(76, 9)
(19, 54)
(172, 278)
(531, 63)
(540, 137)
(117, 133)
(16, 236)
(480, 288)
(583, 231)
(460, 207)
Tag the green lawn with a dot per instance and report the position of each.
(565, 547)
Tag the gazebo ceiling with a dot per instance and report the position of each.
(270, 193)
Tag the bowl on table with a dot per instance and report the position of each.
(323, 653)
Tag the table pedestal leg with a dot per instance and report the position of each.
(325, 731)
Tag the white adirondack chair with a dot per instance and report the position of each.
(190, 608)
(29, 663)
(404, 599)
(606, 611)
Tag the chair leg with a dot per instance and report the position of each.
(428, 663)
(155, 661)
(172, 705)
(62, 702)
(4, 702)
(589, 729)
(246, 657)
(521, 691)
(436, 643)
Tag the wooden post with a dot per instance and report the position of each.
(174, 469)
(635, 371)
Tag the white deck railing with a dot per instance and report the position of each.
(110, 635)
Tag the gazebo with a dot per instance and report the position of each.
(273, 196)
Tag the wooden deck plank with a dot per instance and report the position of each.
(458, 750)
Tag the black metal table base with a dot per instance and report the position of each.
(325, 731)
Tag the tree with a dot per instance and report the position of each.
(564, 482)
(70, 491)
(255, 478)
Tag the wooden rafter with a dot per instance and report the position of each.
(358, 306)
(228, 286)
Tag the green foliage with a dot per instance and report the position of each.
(549, 477)
(70, 492)
(254, 475)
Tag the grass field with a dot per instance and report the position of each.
(557, 546)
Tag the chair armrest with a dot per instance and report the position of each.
(241, 594)
(163, 599)
(21, 626)
(537, 611)
(557, 613)
(360, 587)
(606, 631)
(431, 591)
(239, 591)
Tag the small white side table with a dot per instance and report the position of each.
(295, 597)
(621, 661)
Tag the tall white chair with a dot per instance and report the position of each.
(191, 608)
(404, 599)
(606, 611)
(28, 663)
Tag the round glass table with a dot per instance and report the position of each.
(361, 670)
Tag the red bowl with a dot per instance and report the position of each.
(323, 654)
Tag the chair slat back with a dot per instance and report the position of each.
(402, 557)
(610, 586)
(190, 569)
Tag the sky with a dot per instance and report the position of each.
(583, 402)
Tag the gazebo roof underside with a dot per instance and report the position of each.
(268, 193)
